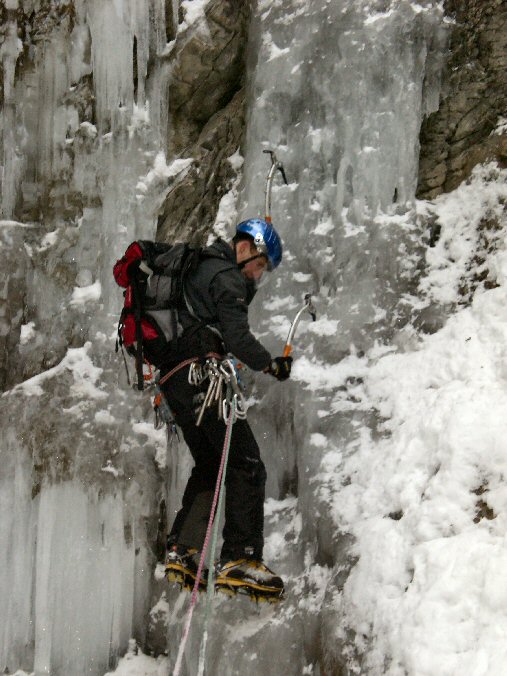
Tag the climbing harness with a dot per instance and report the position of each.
(217, 499)
(224, 387)
(307, 307)
(161, 408)
(184, 363)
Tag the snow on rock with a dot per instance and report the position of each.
(158, 437)
(194, 10)
(86, 294)
(427, 504)
(227, 214)
(162, 171)
(423, 491)
(236, 160)
(478, 201)
(28, 333)
(85, 374)
(135, 663)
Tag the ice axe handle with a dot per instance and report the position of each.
(287, 350)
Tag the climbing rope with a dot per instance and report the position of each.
(211, 572)
(217, 498)
(182, 365)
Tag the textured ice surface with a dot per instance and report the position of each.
(343, 109)
(338, 89)
(79, 484)
(76, 556)
(357, 474)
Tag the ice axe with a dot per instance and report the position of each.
(307, 307)
(276, 165)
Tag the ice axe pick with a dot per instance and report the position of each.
(307, 307)
(276, 165)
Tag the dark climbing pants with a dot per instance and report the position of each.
(245, 478)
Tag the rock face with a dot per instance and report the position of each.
(207, 117)
(189, 210)
(459, 135)
(13, 275)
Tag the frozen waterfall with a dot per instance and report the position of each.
(81, 468)
(339, 89)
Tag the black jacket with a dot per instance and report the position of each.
(219, 294)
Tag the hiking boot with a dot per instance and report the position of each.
(181, 566)
(247, 576)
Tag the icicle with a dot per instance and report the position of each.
(10, 168)
(112, 59)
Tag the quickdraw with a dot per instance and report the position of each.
(234, 392)
(224, 388)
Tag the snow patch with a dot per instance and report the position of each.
(501, 127)
(194, 12)
(136, 663)
(160, 611)
(459, 215)
(162, 171)
(88, 129)
(104, 418)
(28, 333)
(157, 437)
(236, 160)
(77, 361)
(81, 295)
(321, 376)
(109, 467)
(324, 227)
(49, 240)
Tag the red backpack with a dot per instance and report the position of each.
(152, 274)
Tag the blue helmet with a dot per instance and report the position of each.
(266, 239)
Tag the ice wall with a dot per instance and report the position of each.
(78, 593)
(338, 89)
(83, 170)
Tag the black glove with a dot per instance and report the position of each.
(280, 367)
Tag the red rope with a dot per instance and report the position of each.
(182, 365)
(193, 600)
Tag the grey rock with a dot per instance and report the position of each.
(14, 267)
(207, 117)
(207, 70)
(476, 96)
(190, 208)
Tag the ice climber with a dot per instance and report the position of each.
(219, 292)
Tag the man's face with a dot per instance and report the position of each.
(254, 269)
